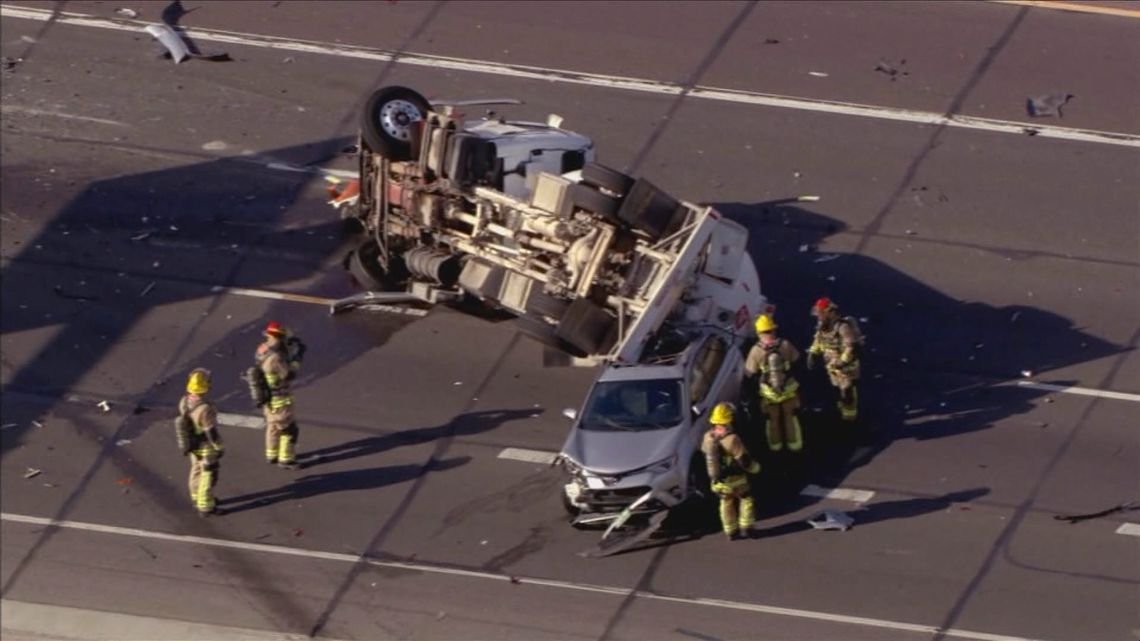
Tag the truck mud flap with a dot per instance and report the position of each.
(652, 211)
(587, 327)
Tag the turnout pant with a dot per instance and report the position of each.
(737, 508)
(203, 477)
(280, 435)
(783, 424)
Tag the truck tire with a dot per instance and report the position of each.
(602, 177)
(590, 199)
(364, 265)
(389, 122)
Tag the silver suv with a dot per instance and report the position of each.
(639, 431)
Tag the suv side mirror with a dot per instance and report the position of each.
(570, 413)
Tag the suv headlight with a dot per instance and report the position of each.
(569, 464)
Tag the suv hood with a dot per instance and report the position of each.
(620, 452)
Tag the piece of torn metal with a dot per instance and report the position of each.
(1048, 105)
(826, 258)
(831, 520)
(171, 40)
(32, 473)
(104, 405)
(127, 13)
(146, 290)
(122, 442)
(807, 199)
(817, 74)
(626, 539)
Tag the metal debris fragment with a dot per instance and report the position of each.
(831, 520)
(807, 199)
(171, 40)
(104, 405)
(32, 473)
(127, 13)
(146, 290)
(1026, 373)
(817, 74)
(37, 424)
(1048, 104)
(826, 258)
(123, 441)
(142, 236)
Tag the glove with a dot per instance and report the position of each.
(812, 359)
(754, 468)
(719, 487)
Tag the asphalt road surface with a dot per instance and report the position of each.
(155, 216)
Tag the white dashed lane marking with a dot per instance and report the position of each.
(838, 493)
(528, 456)
(1080, 391)
(1130, 529)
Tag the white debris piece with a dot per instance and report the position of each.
(818, 74)
(104, 405)
(32, 473)
(127, 13)
(826, 258)
(123, 441)
(831, 520)
(171, 40)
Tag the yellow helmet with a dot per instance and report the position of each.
(722, 414)
(765, 323)
(199, 381)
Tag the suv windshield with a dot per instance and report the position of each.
(633, 405)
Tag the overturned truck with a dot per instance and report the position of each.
(518, 216)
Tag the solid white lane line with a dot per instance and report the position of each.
(1131, 529)
(563, 585)
(32, 111)
(241, 420)
(1081, 391)
(1079, 7)
(599, 80)
(528, 456)
(841, 494)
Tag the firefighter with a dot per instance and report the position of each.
(771, 360)
(278, 358)
(199, 439)
(729, 465)
(838, 340)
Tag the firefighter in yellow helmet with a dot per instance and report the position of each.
(278, 358)
(729, 465)
(838, 340)
(198, 438)
(771, 360)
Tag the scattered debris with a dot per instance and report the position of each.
(979, 345)
(457, 383)
(1014, 317)
(104, 405)
(32, 473)
(826, 258)
(142, 236)
(58, 289)
(152, 555)
(1027, 373)
(288, 59)
(7, 63)
(1047, 105)
(1030, 131)
(146, 290)
(831, 520)
(891, 70)
(127, 13)
(50, 485)
(805, 248)
(37, 424)
(817, 74)
(298, 532)
(1049, 399)
(123, 441)
(7, 425)
(807, 199)
(831, 279)
(126, 480)
(515, 580)
(771, 41)
(1077, 518)
(911, 232)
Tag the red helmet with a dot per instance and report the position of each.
(275, 328)
(822, 305)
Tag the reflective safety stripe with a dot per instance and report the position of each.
(287, 454)
(205, 499)
(789, 392)
(278, 402)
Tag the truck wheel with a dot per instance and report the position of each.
(590, 199)
(363, 264)
(389, 121)
(603, 177)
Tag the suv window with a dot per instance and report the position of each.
(706, 365)
(633, 406)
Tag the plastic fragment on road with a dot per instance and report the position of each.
(126, 480)
(146, 290)
(807, 199)
(127, 13)
(123, 441)
(1047, 105)
(32, 473)
(831, 520)
(1025, 373)
(826, 258)
(171, 40)
(37, 424)
(817, 74)
(104, 405)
